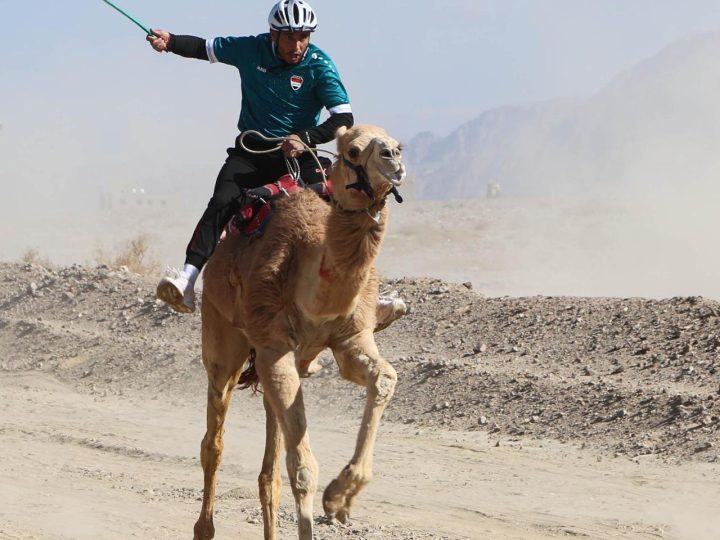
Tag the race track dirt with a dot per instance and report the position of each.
(514, 418)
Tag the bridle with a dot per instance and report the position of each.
(362, 184)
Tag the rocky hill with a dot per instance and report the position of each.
(654, 126)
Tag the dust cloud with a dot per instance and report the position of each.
(611, 195)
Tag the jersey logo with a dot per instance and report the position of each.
(296, 81)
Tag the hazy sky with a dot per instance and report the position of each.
(411, 65)
(85, 101)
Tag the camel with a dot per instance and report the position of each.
(269, 307)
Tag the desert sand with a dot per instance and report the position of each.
(514, 417)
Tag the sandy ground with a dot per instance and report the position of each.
(514, 418)
(77, 466)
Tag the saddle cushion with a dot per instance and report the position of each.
(255, 212)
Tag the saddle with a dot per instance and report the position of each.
(258, 204)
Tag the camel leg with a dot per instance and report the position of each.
(359, 361)
(224, 351)
(281, 384)
(269, 479)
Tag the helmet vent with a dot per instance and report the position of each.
(292, 16)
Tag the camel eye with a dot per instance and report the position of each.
(354, 153)
(386, 154)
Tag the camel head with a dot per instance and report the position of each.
(369, 166)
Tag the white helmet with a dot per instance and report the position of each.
(292, 16)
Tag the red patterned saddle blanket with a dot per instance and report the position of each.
(258, 204)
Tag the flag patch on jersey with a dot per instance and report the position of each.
(296, 82)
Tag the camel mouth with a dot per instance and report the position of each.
(395, 178)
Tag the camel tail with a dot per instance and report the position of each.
(249, 377)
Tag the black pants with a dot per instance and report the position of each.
(241, 170)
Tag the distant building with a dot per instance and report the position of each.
(135, 199)
(493, 191)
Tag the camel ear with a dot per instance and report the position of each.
(342, 130)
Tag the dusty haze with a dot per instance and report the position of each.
(612, 194)
(523, 418)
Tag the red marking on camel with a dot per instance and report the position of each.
(324, 272)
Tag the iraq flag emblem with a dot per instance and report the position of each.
(296, 82)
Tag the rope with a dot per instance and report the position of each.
(292, 164)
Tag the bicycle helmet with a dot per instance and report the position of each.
(292, 16)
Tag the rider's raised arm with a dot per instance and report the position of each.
(227, 50)
(189, 46)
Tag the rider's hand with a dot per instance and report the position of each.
(160, 40)
(293, 146)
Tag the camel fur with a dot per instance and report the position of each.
(307, 284)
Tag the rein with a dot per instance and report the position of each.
(292, 164)
(361, 184)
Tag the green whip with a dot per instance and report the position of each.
(147, 30)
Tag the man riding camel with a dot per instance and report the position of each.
(286, 81)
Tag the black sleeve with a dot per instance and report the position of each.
(325, 132)
(188, 46)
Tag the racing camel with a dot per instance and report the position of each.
(271, 304)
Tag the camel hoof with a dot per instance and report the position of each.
(388, 310)
(335, 502)
(203, 531)
(310, 370)
(341, 517)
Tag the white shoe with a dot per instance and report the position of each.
(388, 310)
(176, 290)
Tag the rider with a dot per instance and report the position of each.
(286, 81)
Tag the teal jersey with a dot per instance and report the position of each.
(279, 99)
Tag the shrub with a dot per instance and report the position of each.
(135, 255)
(32, 256)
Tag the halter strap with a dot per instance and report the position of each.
(362, 183)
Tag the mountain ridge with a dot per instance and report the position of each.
(652, 123)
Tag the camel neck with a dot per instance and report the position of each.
(354, 239)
